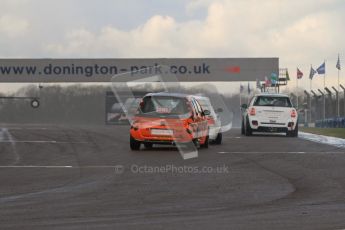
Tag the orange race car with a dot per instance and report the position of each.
(166, 118)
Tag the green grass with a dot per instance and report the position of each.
(333, 132)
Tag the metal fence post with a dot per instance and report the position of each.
(323, 98)
(308, 106)
(343, 88)
(329, 110)
(316, 106)
(337, 101)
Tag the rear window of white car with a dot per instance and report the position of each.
(272, 101)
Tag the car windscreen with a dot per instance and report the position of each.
(272, 101)
(163, 106)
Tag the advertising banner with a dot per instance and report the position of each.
(102, 70)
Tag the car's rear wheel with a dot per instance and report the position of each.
(248, 130)
(293, 133)
(296, 131)
(219, 138)
(205, 144)
(134, 144)
(148, 145)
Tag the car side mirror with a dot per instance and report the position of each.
(244, 106)
(207, 112)
(219, 110)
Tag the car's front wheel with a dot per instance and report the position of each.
(218, 139)
(134, 144)
(207, 140)
(248, 131)
(242, 127)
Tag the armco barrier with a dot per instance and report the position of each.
(336, 122)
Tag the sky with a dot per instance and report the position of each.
(300, 32)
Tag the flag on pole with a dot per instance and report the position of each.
(299, 74)
(267, 81)
(241, 88)
(248, 88)
(321, 69)
(338, 63)
(287, 75)
(274, 78)
(312, 73)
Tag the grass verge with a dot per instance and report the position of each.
(333, 132)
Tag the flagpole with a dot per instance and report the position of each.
(248, 97)
(338, 92)
(311, 88)
(311, 83)
(338, 96)
(324, 98)
(310, 113)
(240, 95)
(297, 91)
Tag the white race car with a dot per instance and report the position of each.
(270, 113)
(214, 122)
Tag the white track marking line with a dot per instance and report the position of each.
(327, 152)
(58, 166)
(19, 128)
(6, 136)
(36, 166)
(46, 142)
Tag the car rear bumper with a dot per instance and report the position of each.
(178, 137)
(271, 129)
(165, 142)
(263, 126)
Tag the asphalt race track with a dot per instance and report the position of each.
(55, 177)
